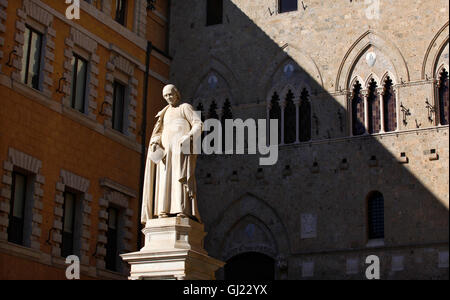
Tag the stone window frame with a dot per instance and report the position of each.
(297, 91)
(33, 166)
(3, 16)
(120, 197)
(81, 186)
(365, 93)
(85, 47)
(38, 18)
(140, 18)
(121, 69)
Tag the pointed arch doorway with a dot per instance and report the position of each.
(250, 266)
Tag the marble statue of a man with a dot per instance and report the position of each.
(170, 172)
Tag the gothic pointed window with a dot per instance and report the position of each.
(275, 113)
(390, 106)
(373, 104)
(212, 114)
(357, 110)
(443, 97)
(289, 119)
(305, 117)
(226, 114)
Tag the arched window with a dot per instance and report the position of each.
(212, 114)
(226, 114)
(375, 207)
(373, 104)
(275, 113)
(357, 110)
(290, 119)
(305, 117)
(390, 106)
(443, 98)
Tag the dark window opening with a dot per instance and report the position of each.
(121, 11)
(214, 12)
(358, 127)
(305, 117)
(69, 212)
(212, 114)
(17, 208)
(227, 114)
(287, 5)
(31, 60)
(443, 98)
(275, 114)
(373, 103)
(250, 266)
(290, 119)
(79, 67)
(390, 106)
(112, 244)
(376, 216)
(118, 107)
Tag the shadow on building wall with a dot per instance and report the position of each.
(318, 211)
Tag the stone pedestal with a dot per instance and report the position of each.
(173, 250)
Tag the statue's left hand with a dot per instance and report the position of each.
(184, 139)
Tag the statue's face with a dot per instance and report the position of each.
(171, 95)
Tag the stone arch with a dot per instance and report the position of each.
(354, 80)
(304, 62)
(216, 66)
(441, 68)
(289, 87)
(220, 92)
(369, 78)
(437, 45)
(391, 76)
(248, 207)
(362, 45)
(248, 234)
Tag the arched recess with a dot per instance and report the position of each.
(216, 66)
(213, 86)
(270, 235)
(434, 53)
(370, 40)
(369, 79)
(304, 64)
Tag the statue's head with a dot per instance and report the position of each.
(171, 94)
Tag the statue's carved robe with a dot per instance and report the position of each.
(171, 182)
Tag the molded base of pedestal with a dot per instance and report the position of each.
(173, 250)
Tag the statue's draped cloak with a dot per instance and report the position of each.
(171, 182)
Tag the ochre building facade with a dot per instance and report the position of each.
(71, 132)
